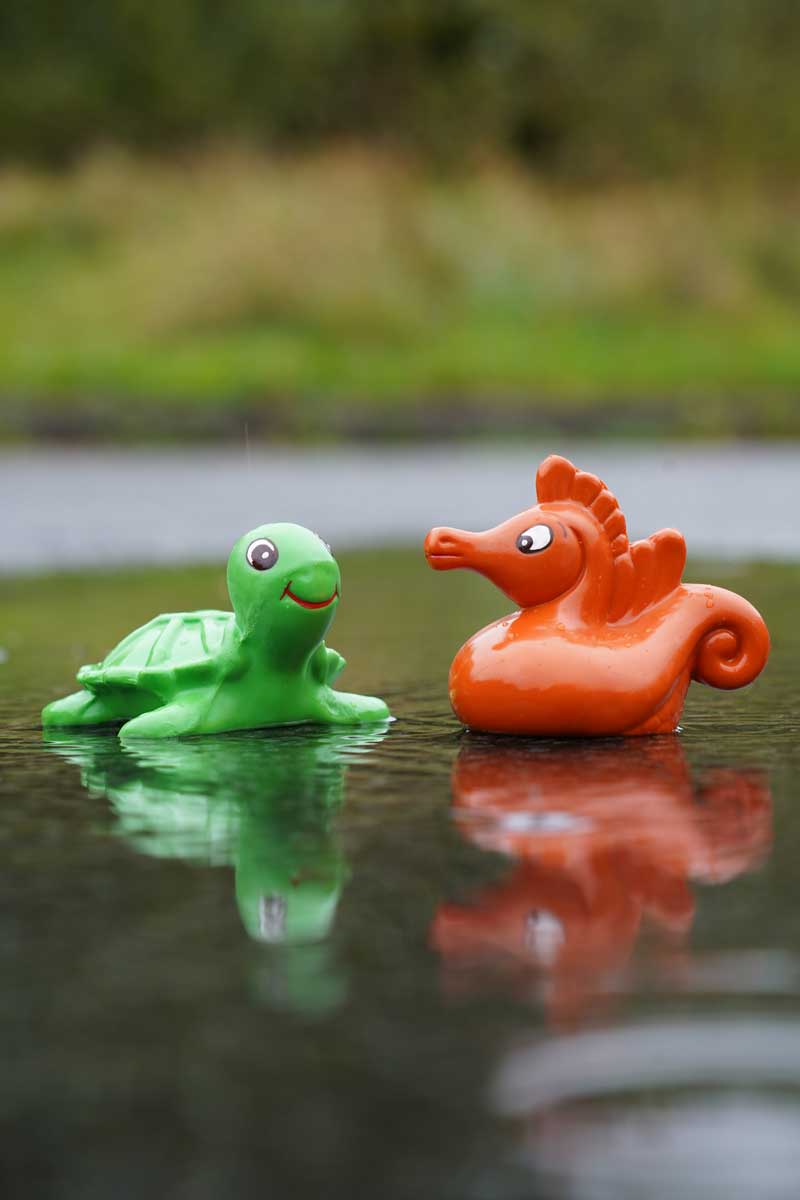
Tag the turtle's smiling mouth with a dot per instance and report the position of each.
(287, 591)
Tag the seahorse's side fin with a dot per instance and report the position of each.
(558, 479)
(647, 572)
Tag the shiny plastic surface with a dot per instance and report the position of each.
(607, 638)
(210, 672)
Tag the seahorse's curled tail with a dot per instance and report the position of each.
(734, 642)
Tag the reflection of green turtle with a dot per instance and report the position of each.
(207, 672)
(261, 803)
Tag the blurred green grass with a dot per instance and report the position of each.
(350, 289)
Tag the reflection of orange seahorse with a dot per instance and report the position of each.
(608, 638)
(605, 835)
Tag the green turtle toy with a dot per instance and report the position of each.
(210, 672)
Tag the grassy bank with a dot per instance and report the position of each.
(351, 293)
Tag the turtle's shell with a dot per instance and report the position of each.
(157, 652)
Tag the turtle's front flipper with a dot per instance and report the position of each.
(326, 664)
(171, 720)
(84, 708)
(347, 708)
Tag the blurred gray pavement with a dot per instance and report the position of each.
(62, 508)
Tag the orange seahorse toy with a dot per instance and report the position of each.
(607, 638)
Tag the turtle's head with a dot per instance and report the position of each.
(284, 578)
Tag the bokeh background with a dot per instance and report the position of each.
(237, 238)
(348, 218)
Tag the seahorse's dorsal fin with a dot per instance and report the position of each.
(558, 479)
(647, 572)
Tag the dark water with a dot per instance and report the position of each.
(412, 963)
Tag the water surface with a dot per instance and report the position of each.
(407, 962)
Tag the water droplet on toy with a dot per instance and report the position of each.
(561, 626)
(709, 603)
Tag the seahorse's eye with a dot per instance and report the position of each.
(532, 540)
(262, 554)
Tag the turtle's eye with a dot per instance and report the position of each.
(532, 540)
(262, 554)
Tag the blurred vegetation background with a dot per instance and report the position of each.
(350, 217)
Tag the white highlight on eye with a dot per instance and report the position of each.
(537, 537)
(272, 918)
(544, 936)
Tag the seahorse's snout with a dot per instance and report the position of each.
(446, 549)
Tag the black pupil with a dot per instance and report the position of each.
(527, 545)
(262, 555)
